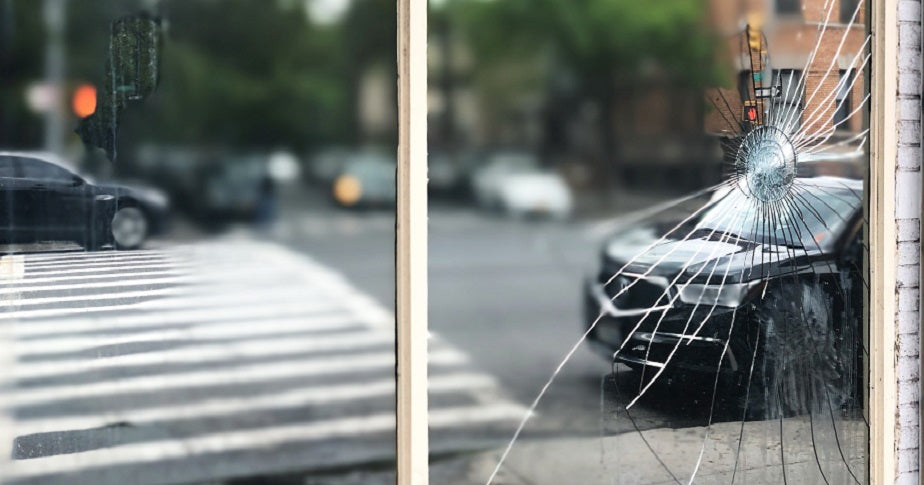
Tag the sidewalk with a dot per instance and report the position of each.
(626, 459)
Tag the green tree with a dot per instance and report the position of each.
(604, 47)
(248, 73)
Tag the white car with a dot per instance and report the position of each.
(515, 184)
(488, 179)
(537, 193)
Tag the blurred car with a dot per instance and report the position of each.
(212, 184)
(514, 184)
(785, 298)
(176, 170)
(488, 178)
(448, 175)
(327, 164)
(232, 187)
(367, 180)
(45, 200)
(540, 193)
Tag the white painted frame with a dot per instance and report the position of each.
(411, 245)
(883, 386)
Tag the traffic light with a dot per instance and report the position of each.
(751, 111)
(84, 101)
(754, 38)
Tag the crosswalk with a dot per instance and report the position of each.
(206, 361)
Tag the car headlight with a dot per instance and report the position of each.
(728, 295)
(347, 190)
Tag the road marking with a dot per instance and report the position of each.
(173, 280)
(290, 398)
(231, 352)
(198, 301)
(97, 256)
(229, 315)
(305, 327)
(212, 267)
(120, 274)
(238, 440)
(255, 373)
(199, 291)
(246, 321)
(187, 278)
(19, 302)
(97, 263)
(113, 270)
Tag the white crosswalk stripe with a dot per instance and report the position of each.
(126, 360)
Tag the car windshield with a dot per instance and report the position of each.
(831, 208)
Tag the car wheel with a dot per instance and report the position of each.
(799, 366)
(129, 228)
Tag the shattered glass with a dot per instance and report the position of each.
(742, 305)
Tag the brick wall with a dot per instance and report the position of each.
(790, 40)
(908, 215)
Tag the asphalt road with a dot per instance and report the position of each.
(270, 352)
(507, 293)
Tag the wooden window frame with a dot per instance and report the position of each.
(883, 385)
(411, 246)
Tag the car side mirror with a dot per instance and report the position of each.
(76, 181)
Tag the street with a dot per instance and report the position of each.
(266, 353)
(221, 358)
(269, 352)
(506, 292)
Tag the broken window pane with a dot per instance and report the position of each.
(673, 289)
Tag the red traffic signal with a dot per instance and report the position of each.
(750, 111)
(84, 101)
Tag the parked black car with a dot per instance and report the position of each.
(42, 199)
(784, 293)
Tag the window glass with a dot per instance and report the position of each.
(672, 289)
(847, 9)
(30, 168)
(842, 102)
(792, 93)
(789, 7)
(6, 166)
(197, 216)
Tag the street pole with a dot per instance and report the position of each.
(54, 13)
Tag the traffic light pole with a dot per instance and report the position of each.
(54, 12)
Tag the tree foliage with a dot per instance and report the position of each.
(616, 39)
(246, 73)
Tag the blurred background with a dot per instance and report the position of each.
(254, 144)
(244, 87)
